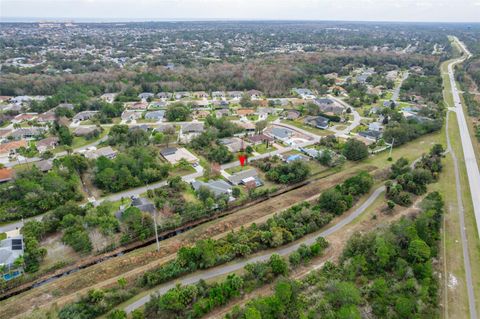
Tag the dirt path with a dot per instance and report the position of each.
(133, 265)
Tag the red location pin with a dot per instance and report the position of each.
(242, 158)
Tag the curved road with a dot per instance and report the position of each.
(231, 267)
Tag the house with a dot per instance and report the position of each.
(317, 121)
(222, 113)
(10, 149)
(108, 97)
(295, 157)
(280, 133)
(24, 117)
(165, 127)
(137, 106)
(44, 165)
(249, 127)
(200, 95)
(4, 134)
(131, 115)
(84, 130)
(107, 152)
(11, 249)
(173, 155)
(155, 115)
(246, 178)
(371, 135)
(200, 114)
(266, 111)
(255, 94)
(143, 204)
(305, 94)
(164, 96)
(84, 116)
(259, 139)
(234, 144)
(375, 126)
(181, 95)
(329, 106)
(217, 187)
(6, 174)
(27, 133)
(143, 127)
(292, 114)
(313, 153)
(145, 96)
(235, 94)
(201, 104)
(47, 117)
(245, 112)
(218, 95)
(190, 130)
(47, 144)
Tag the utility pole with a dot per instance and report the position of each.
(391, 147)
(156, 230)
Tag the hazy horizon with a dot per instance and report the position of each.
(461, 11)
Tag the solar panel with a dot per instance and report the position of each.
(17, 244)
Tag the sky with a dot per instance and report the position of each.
(158, 10)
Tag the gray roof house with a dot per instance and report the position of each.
(146, 95)
(317, 121)
(85, 115)
(194, 127)
(280, 133)
(155, 115)
(28, 132)
(107, 151)
(164, 95)
(245, 177)
(218, 187)
(143, 204)
(371, 135)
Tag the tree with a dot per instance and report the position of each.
(260, 126)
(177, 112)
(246, 101)
(418, 250)
(355, 150)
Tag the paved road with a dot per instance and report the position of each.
(57, 155)
(231, 267)
(473, 172)
(473, 177)
(356, 118)
(396, 92)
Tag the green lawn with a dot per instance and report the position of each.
(79, 141)
(262, 148)
(308, 128)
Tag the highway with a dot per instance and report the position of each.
(237, 265)
(472, 172)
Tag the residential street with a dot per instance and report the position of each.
(228, 268)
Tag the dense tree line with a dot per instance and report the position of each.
(338, 199)
(33, 192)
(414, 181)
(135, 167)
(283, 173)
(387, 273)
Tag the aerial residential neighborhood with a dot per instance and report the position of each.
(251, 168)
